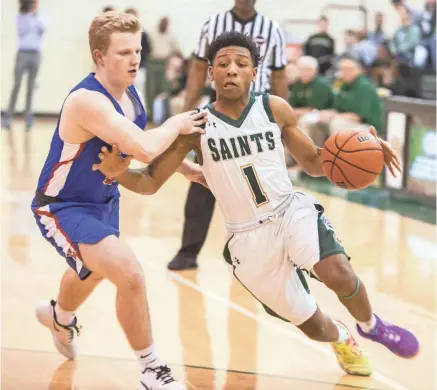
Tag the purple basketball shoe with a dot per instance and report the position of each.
(398, 340)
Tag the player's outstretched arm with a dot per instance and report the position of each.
(301, 147)
(150, 179)
(95, 114)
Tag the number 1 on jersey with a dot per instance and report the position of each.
(259, 196)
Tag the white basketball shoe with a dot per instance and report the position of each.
(63, 336)
(159, 378)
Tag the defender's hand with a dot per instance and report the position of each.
(391, 158)
(190, 122)
(112, 162)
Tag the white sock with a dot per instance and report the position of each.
(343, 333)
(62, 316)
(368, 326)
(147, 357)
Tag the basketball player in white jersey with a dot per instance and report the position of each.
(272, 230)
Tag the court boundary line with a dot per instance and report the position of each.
(281, 377)
(282, 329)
(291, 378)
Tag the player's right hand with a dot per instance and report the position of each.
(391, 158)
(190, 122)
(112, 163)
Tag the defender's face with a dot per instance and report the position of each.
(233, 72)
(123, 56)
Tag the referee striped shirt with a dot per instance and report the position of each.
(265, 32)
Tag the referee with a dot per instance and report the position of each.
(266, 33)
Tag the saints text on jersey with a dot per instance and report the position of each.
(240, 146)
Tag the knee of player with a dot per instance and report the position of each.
(133, 280)
(341, 277)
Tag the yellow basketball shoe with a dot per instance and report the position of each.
(350, 357)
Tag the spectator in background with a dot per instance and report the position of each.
(309, 93)
(378, 35)
(171, 101)
(367, 49)
(311, 90)
(30, 28)
(351, 40)
(356, 106)
(321, 46)
(140, 81)
(164, 45)
(427, 26)
(407, 37)
(383, 68)
(413, 12)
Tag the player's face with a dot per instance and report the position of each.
(233, 72)
(122, 59)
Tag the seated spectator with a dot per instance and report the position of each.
(406, 39)
(171, 101)
(351, 40)
(164, 44)
(356, 106)
(383, 69)
(367, 49)
(291, 73)
(310, 91)
(321, 46)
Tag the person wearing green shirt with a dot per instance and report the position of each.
(357, 105)
(311, 91)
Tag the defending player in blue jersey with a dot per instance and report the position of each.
(77, 208)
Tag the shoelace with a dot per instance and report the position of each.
(162, 373)
(69, 328)
(344, 352)
(390, 335)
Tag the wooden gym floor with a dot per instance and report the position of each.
(206, 327)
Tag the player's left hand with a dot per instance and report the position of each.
(112, 163)
(391, 158)
(193, 172)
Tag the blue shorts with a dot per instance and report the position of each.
(66, 224)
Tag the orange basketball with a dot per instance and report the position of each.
(352, 160)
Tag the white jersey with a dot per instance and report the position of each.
(244, 162)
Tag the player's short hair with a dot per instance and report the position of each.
(131, 11)
(107, 23)
(234, 38)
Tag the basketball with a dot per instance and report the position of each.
(352, 160)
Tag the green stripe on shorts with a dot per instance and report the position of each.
(329, 243)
